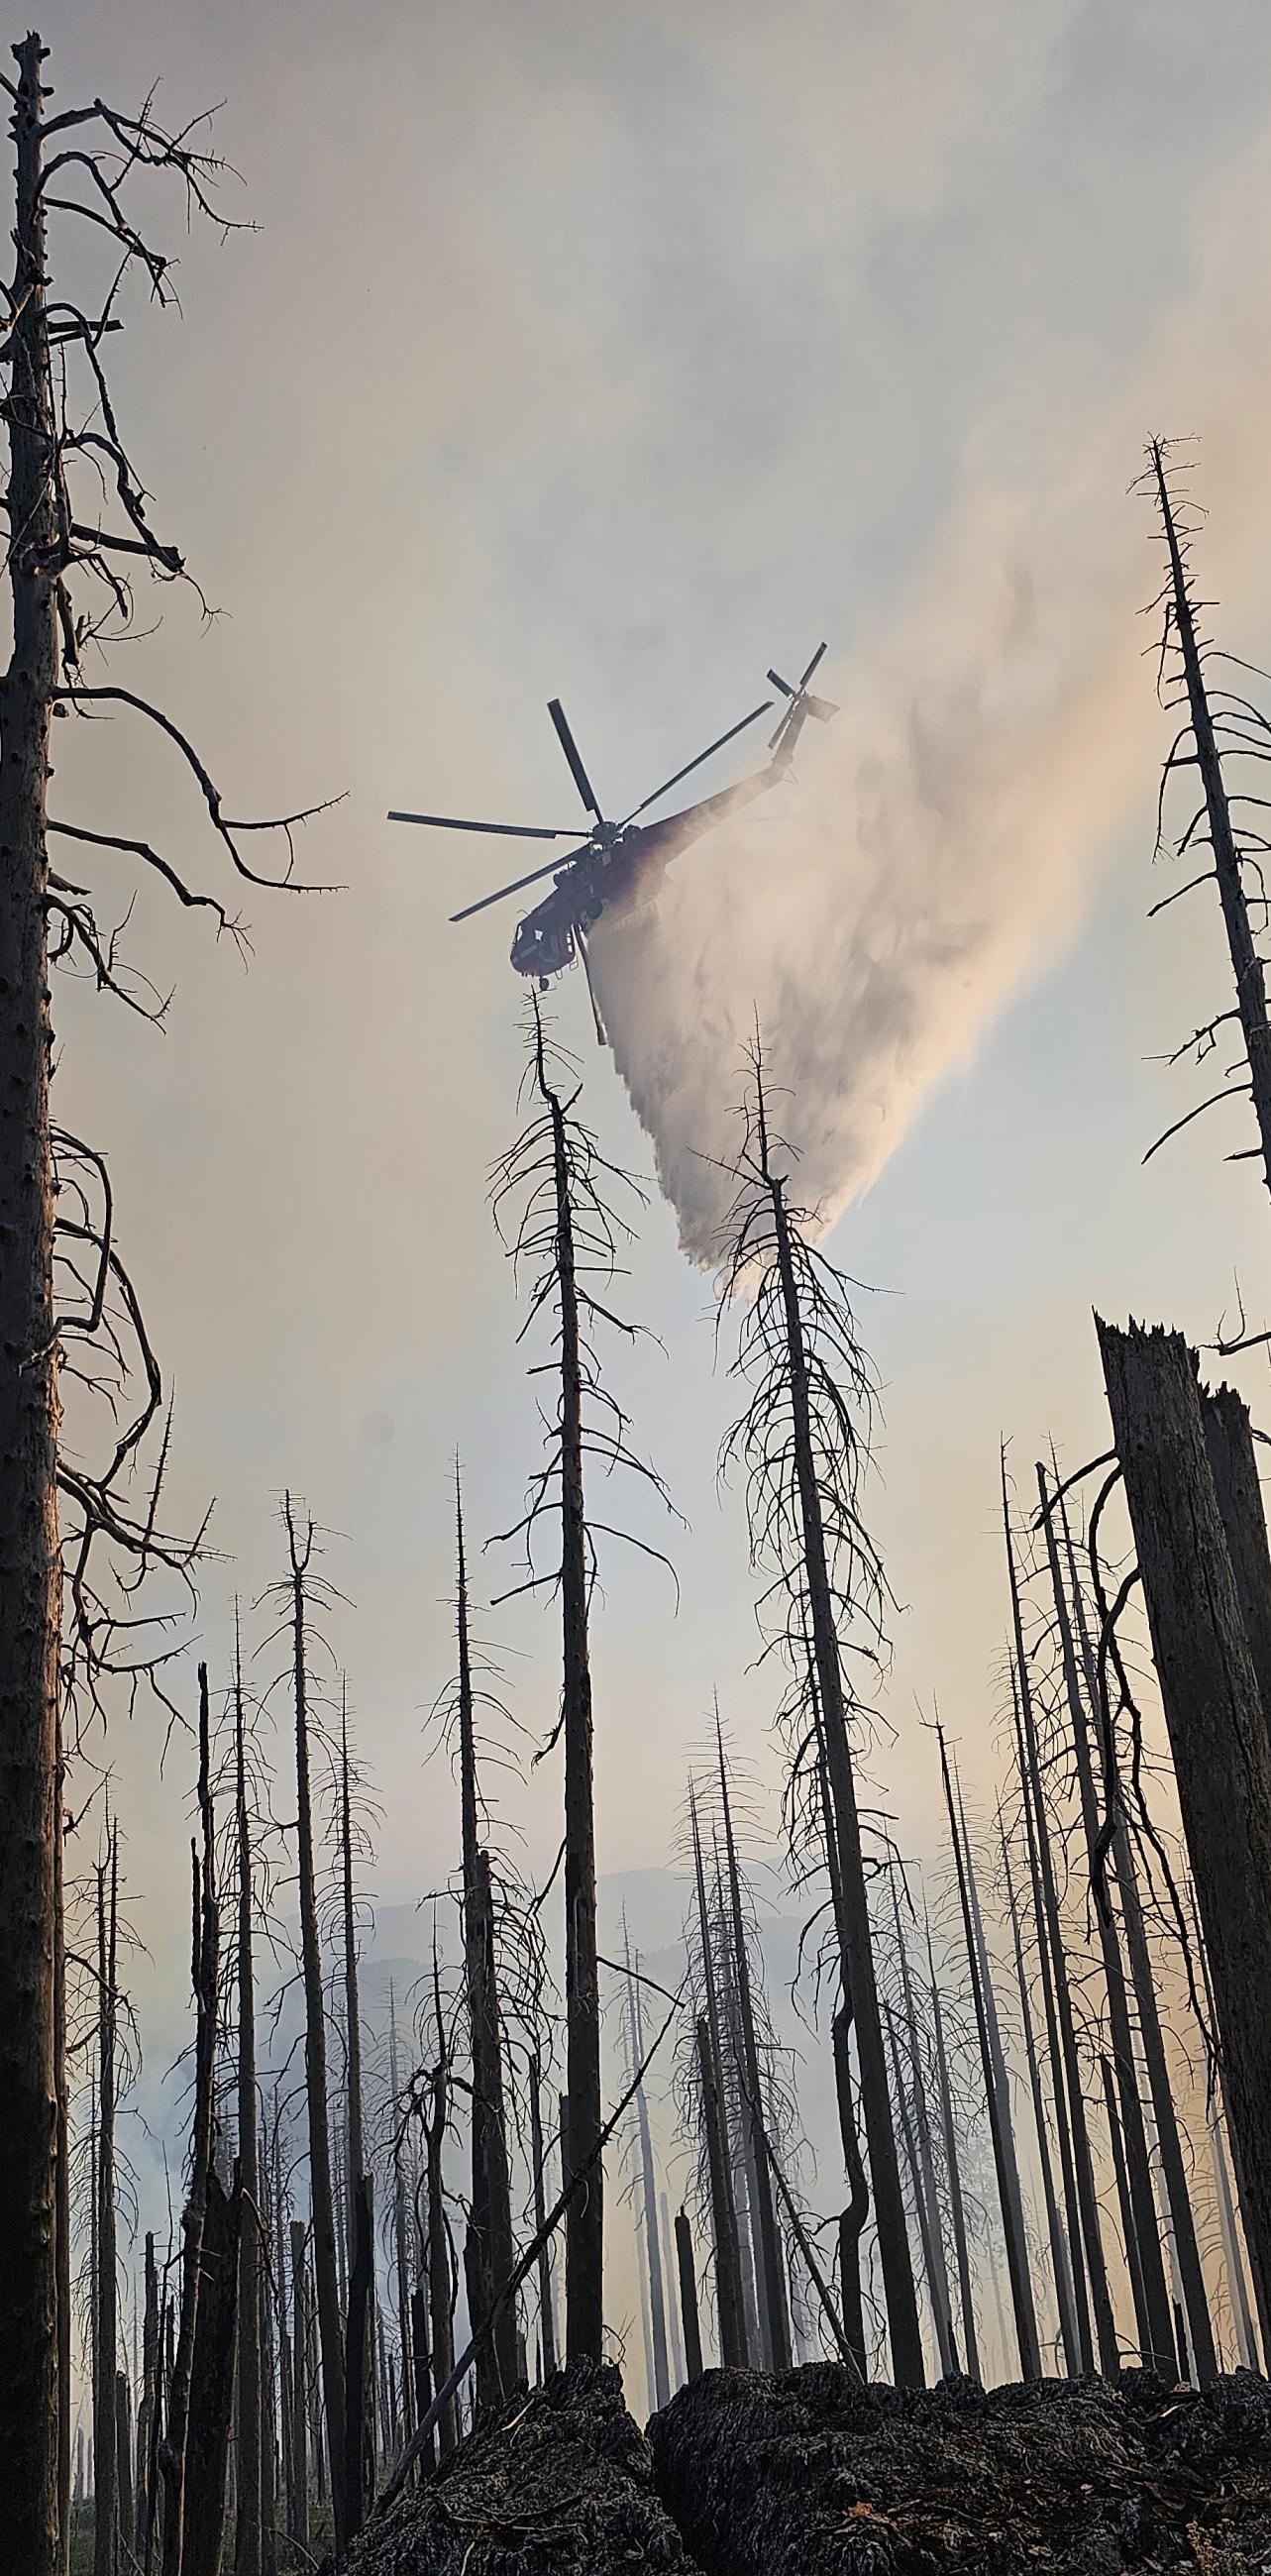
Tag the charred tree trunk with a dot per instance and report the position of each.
(1234, 1468)
(858, 1965)
(734, 2347)
(996, 2099)
(442, 2339)
(1125, 2199)
(324, 2261)
(942, 2304)
(1215, 1719)
(1246, 964)
(211, 2385)
(922, 2209)
(106, 2336)
(30, 1566)
(852, 2219)
(1143, 2245)
(205, 1973)
(1074, 2360)
(248, 2549)
(957, 2208)
(491, 2252)
(358, 2350)
(360, 2276)
(772, 2268)
(732, 2341)
(401, 2236)
(649, 2200)
(688, 2296)
(1084, 2227)
(546, 2310)
(123, 2466)
(299, 2385)
(147, 2426)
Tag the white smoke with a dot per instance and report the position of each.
(942, 838)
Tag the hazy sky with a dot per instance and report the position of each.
(614, 352)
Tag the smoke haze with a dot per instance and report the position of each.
(940, 841)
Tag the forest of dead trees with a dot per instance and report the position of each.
(396, 2206)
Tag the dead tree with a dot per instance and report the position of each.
(555, 1189)
(106, 2336)
(1084, 2233)
(688, 2296)
(205, 1980)
(1143, 2244)
(79, 539)
(997, 2100)
(661, 2389)
(1220, 727)
(925, 2163)
(734, 2350)
(299, 1586)
(802, 1445)
(248, 2542)
(490, 2252)
(546, 2309)
(770, 2268)
(957, 2206)
(1073, 2360)
(1215, 1721)
(401, 2227)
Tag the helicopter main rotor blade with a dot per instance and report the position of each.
(573, 756)
(506, 831)
(811, 667)
(532, 879)
(779, 683)
(708, 754)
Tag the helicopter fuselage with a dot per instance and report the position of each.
(621, 875)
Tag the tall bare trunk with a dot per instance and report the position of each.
(299, 2385)
(30, 1569)
(688, 2296)
(1215, 1720)
(401, 2234)
(248, 2536)
(734, 2346)
(661, 2389)
(922, 2206)
(439, 2297)
(1074, 2360)
(106, 2339)
(1084, 2223)
(546, 2309)
(771, 2265)
(205, 1973)
(957, 2206)
(941, 2303)
(1246, 963)
(324, 2263)
(1143, 2245)
(212, 2385)
(889, 2206)
(491, 2252)
(996, 2098)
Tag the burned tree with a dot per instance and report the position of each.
(79, 539)
(1221, 729)
(552, 1198)
(802, 1445)
(1215, 1721)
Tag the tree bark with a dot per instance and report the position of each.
(30, 1566)
(688, 2296)
(1074, 2360)
(360, 2273)
(1215, 1720)
(1234, 1468)
(649, 2201)
(299, 2385)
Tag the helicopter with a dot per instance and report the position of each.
(618, 868)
